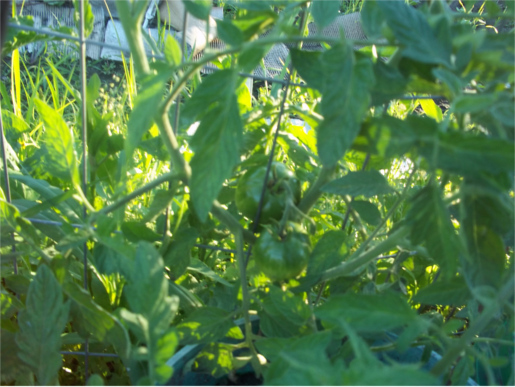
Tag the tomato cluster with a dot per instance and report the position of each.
(279, 253)
(282, 185)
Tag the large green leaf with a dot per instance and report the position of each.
(151, 314)
(284, 314)
(485, 262)
(145, 107)
(366, 312)
(41, 325)
(411, 28)
(304, 362)
(367, 211)
(205, 325)
(469, 155)
(431, 225)
(366, 183)
(89, 18)
(147, 290)
(454, 292)
(70, 208)
(178, 254)
(60, 154)
(218, 139)
(326, 253)
(345, 83)
(324, 12)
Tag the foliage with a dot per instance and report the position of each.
(407, 203)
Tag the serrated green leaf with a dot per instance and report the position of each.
(431, 225)
(12, 368)
(136, 231)
(345, 85)
(96, 320)
(161, 201)
(205, 325)
(177, 256)
(89, 18)
(326, 253)
(145, 106)
(172, 51)
(41, 325)
(366, 312)
(284, 314)
(324, 12)
(454, 292)
(70, 208)
(304, 362)
(473, 103)
(148, 282)
(198, 266)
(411, 28)
(485, 262)
(59, 144)
(366, 183)
(367, 212)
(218, 139)
(229, 33)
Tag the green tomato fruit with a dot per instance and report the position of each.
(248, 192)
(279, 258)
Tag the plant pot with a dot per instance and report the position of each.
(245, 375)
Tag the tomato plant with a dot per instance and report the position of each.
(404, 146)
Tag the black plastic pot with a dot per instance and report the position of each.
(246, 376)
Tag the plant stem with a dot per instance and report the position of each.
(357, 260)
(240, 255)
(132, 27)
(314, 192)
(231, 222)
(170, 176)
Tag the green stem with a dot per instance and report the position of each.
(231, 222)
(170, 176)
(314, 192)
(240, 256)
(477, 326)
(166, 131)
(132, 27)
(357, 260)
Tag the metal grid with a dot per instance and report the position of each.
(82, 57)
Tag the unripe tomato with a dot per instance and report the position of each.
(248, 192)
(281, 258)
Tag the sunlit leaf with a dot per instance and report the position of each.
(59, 143)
